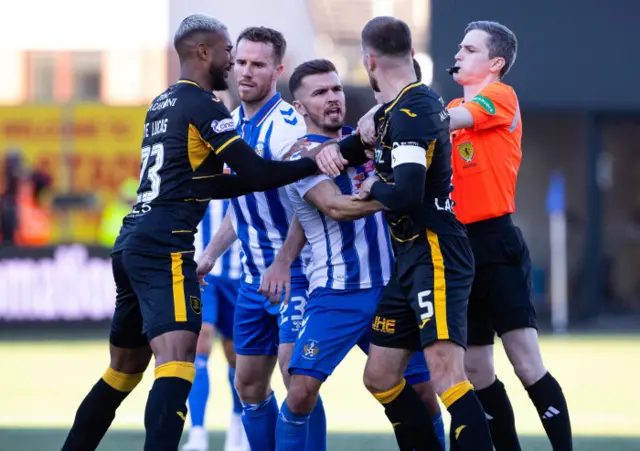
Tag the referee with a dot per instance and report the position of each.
(486, 136)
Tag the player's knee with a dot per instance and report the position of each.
(303, 394)
(250, 388)
(176, 345)
(130, 360)
(378, 381)
(479, 366)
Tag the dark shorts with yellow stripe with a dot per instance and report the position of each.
(154, 295)
(426, 298)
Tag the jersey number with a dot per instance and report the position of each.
(157, 151)
(425, 304)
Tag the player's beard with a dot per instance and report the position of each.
(218, 80)
(320, 121)
(374, 83)
(256, 95)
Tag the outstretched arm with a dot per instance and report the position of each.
(327, 197)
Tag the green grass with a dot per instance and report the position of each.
(44, 381)
(118, 440)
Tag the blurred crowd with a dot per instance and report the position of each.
(24, 220)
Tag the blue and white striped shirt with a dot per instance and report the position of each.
(261, 220)
(346, 255)
(228, 265)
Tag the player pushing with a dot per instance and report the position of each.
(260, 221)
(427, 294)
(351, 263)
(188, 136)
(487, 133)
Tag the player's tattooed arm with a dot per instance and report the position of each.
(278, 276)
(327, 197)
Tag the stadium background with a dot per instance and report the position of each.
(75, 82)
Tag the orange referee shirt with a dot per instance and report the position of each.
(486, 158)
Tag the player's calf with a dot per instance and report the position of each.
(479, 366)
(98, 409)
(411, 421)
(166, 408)
(293, 421)
(259, 405)
(522, 348)
(523, 351)
(199, 394)
(469, 428)
(430, 399)
(236, 437)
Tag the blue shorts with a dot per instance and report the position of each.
(334, 322)
(219, 302)
(259, 326)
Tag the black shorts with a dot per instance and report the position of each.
(154, 295)
(501, 297)
(426, 298)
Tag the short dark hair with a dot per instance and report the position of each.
(388, 36)
(191, 26)
(416, 68)
(502, 42)
(312, 67)
(266, 36)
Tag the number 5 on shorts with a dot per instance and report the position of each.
(427, 306)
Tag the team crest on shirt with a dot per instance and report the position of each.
(260, 149)
(466, 151)
(196, 304)
(310, 350)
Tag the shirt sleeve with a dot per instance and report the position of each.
(414, 132)
(495, 106)
(286, 136)
(305, 185)
(212, 123)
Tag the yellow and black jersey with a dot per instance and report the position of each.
(185, 130)
(414, 129)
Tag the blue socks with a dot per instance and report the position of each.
(200, 391)
(291, 430)
(317, 430)
(259, 422)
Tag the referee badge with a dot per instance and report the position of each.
(466, 151)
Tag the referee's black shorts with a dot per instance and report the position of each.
(501, 295)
